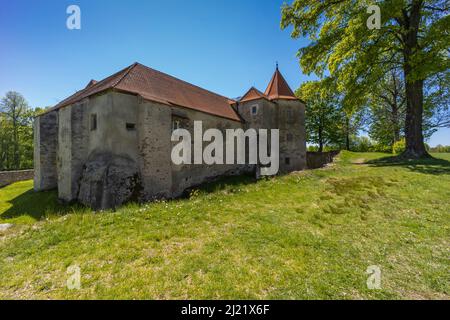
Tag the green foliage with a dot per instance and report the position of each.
(399, 146)
(413, 38)
(388, 110)
(440, 149)
(437, 102)
(329, 125)
(324, 117)
(16, 132)
(361, 144)
(380, 147)
(359, 57)
(328, 148)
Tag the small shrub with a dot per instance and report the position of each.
(313, 148)
(379, 147)
(399, 147)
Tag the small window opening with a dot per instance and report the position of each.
(131, 126)
(254, 110)
(287, 161)
(176, 124)
(93, 122)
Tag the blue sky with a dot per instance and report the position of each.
(225, 46)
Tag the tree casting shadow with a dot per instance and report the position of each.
(427, 166)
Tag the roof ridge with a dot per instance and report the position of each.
(160, 87)
(188, 83)
(98, 83)
(88, 89)
(260, 95)
(253, 88)
(127, 72)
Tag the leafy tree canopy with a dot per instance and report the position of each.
(414, 36)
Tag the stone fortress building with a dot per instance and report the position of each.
(111, 141)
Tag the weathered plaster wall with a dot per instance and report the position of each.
(186, 176)
(160, 177)
(114, 110)
(45, 151)
(265, 118)
(138, 132)
(80, 142)
(291, 122)
(276, 115)
(154, 131)
(64, 162)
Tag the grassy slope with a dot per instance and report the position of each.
(307, 235)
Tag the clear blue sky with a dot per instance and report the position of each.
(225, 46)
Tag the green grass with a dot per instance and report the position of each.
(308, 235)
(19, 204)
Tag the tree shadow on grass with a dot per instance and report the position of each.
(36, 205)
(427, 166)
(230, 183)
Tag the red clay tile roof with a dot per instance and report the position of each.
(278, 88)
(253, 94)
(91, 83)
(159, 87)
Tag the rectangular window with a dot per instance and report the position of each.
(180, 122)
(287, 161)
(176, 124)
(131, 126)
(93, 122)
(254, 110)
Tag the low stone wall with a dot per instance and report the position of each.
(8, 177)
(316, 160)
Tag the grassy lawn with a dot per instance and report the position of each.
(308, 235)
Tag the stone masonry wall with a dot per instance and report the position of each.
(136, 133)
(8, 177)
(64, 160)
(289, 117)
(291, 122)
(187, 176)
(319, 159)
(154, 129)
(45, 151)
(80, 140)
(160, 177)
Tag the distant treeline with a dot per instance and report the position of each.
(440, 149)
(16, 132)
(365, 144)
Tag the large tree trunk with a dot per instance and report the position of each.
(347, 133)
(415, 147)
(395, 109)
(321, 139)
(396, 126)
